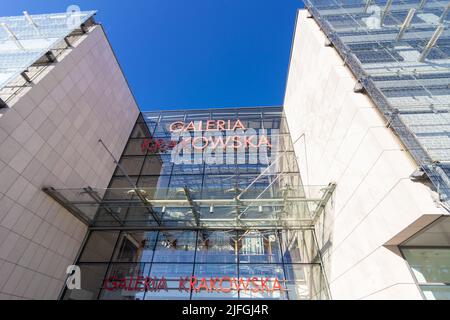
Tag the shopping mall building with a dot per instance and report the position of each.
(341, 193)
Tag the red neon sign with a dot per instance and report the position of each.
(209, 125)
(223, 284)
(157, 145)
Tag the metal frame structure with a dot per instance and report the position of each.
(379, 51)
(262, 198)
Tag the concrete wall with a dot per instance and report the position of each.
(49, 137)
(347, 141)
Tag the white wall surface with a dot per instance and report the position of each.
(346, 141)
(49, 137)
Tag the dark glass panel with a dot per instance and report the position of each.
(99, 246)
(135, 246)
(92, 279)
(140, 130)
(131, 165)
(134, 148)
(156, 165)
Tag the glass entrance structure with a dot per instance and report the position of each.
(204, 204)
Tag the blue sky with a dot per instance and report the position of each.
(193, 53)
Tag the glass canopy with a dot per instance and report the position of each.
(260, 207)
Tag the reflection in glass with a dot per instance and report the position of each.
(271, 281)
(175, 246)
(136, 246)
(436, 292)
(177, 277)
(217, 247)
(222, 275)
(431, 267)
(259, 246)
(125, 282)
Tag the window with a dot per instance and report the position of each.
(431, 268)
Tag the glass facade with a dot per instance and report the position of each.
(204, 204)
(399, 50)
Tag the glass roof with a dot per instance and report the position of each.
(25, 39)
(399, 50)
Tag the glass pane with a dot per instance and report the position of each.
(157, 165)
(136, 246)
(269, 279)
(140, 131)
(126, 282)
(92, 279)
(429, 265)
(222, 285)
(99, 246)
(134, 148)
(177, 277)
(305, 281)
(436, 292)
(217, 247)
(259, 246)
(130, 166)
(299, 246)
(175, 246)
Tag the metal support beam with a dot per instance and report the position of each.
(193, 205)
(135, 189)
(208, 202)
(422, 4)
(406, 24)
(386, 9)
(31, 22)
(366, 7)
(444, 14)
(65, 203)
(89, 191)
(195, 211)
(12, 35)
(268, 167)
(321, 206)
(431, 43)
(147, 205)
(195, 228)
